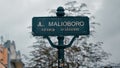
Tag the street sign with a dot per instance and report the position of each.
(60, 26)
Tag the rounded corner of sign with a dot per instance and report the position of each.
(88, 33)
(33, 34)
(87, 17)
(33, 18)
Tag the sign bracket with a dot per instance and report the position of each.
(59, 38)
(61, 48)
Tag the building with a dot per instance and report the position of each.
(3, 57)
(14, 57)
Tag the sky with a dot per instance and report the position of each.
(109, 32)
(16, 17)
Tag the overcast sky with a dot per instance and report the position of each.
(16, 16)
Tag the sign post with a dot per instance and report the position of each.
(60, 13)
(60, 26)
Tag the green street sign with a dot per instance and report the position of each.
(60, 26)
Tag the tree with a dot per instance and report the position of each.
(83, 53)
(42, 55)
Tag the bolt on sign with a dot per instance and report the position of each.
(60, 26)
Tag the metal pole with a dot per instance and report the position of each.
(61, 52)
(60, 13)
